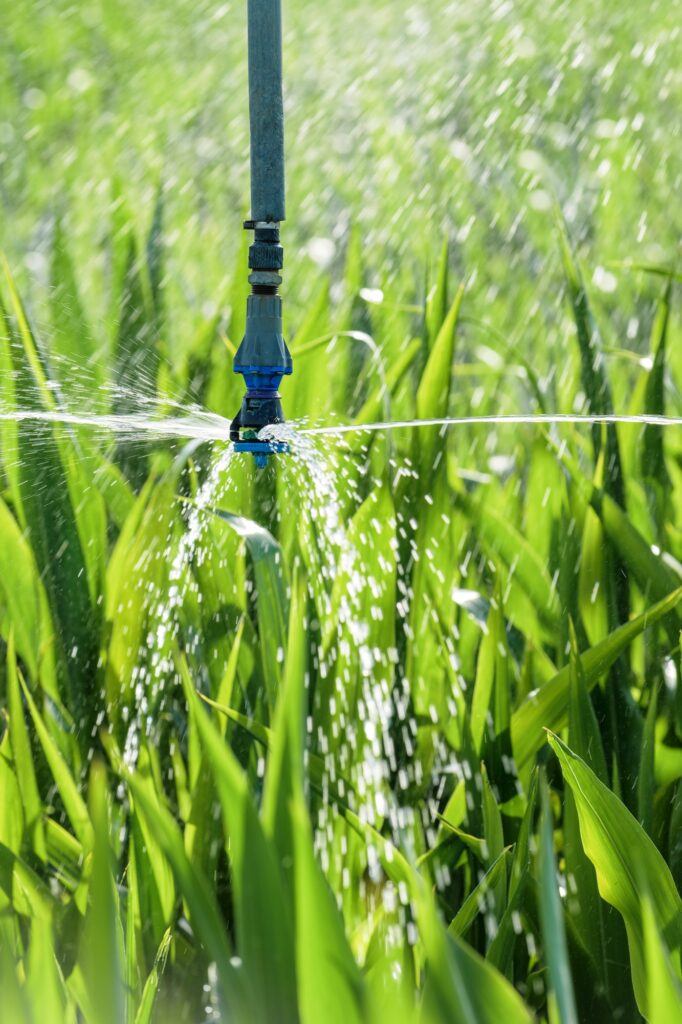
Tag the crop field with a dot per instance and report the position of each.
(391, 729)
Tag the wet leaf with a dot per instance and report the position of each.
(47, 480)
(664, 985)
(264, 927)
(266, 558)
(102, 936)
(434, 387)
(23, 759)
(546, 708)
(623, 856)
(561, 999)
(74, 804)
(195, 890)
(437, 300)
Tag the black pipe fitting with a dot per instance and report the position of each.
(265, 253)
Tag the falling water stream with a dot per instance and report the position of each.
(319, 484)
(354, 721)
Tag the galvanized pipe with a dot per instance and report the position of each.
(266, 111)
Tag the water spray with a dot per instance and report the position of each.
(263, 357)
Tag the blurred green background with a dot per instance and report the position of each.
(411, 120)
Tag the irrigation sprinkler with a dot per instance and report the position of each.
(263, 357)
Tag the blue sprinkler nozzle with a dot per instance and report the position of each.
(261, 450)
(263, 357)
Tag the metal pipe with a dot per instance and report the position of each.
(263, 357)
(266, 111)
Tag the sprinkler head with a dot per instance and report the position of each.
(263, 359)
(258, 411)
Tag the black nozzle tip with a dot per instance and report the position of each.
(258, 411)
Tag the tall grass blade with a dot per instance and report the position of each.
(102, 937)
(330, 985)
(264, 926)
(44, 981)
(646, 782)
(23, 759)
(72, 338)
(593, 367)
(561, 999)
(437, 299)
(664, 984)
(433, 393)
(652, 453)
(284, 776)
(266, 558)
(547, 708)
(45, 505)
(74, 804)
(145, 1009)
(623, 855)
(194, 888)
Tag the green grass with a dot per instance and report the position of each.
(420, 762)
